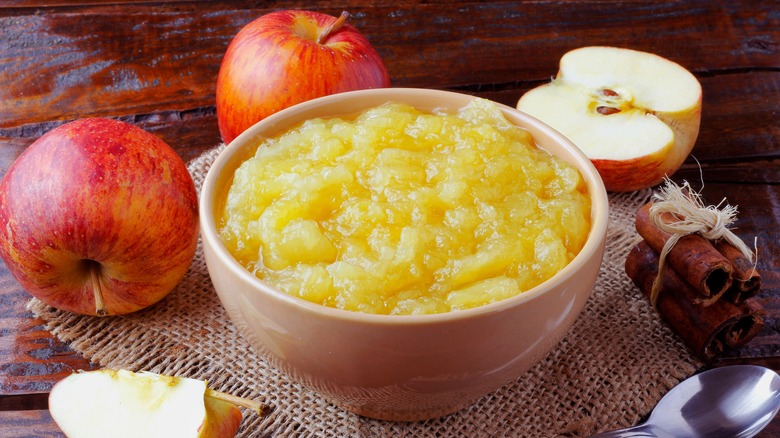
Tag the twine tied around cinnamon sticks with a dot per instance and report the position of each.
(691, 216)
(706, 293)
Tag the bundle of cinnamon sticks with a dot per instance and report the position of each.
(705, 289)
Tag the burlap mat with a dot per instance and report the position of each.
(608, 372)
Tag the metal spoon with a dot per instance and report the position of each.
(735, 401)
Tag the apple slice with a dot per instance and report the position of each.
(121, 403)
(636, 115)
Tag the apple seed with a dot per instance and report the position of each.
(607, 110)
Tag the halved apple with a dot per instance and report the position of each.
(120, 403)
(636, 115)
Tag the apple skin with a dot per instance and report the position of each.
(275, 62)
(222, 419)
(650, 170)
(98, 202)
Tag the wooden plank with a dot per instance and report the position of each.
(745, 172)
(739, 116)
(738, 121)
(21, 4)
(15, 4)
(28, 424)
(33, 359)
(38, 423)
(24, 402)
(758, 223)
(141, 59)
(63, 66)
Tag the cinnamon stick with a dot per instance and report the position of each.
(693, 258)
(748, 326)
(746, 279)
(706, 330)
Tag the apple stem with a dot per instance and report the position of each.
(97, 290)
(343, 18)
(259, 408)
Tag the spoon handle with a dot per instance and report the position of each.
(640, 431)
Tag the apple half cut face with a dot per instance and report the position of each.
(120, 403)
(636, 115)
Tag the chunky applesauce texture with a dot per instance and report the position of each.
(404, 212)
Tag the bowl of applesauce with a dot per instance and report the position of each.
(403, 252)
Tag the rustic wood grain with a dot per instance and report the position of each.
(758, 221)
(28, 424)
(32, 358)
(737, 124)
(140, 59)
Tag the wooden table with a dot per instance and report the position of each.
(155, 63)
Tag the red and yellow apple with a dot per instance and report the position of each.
(121, 403)
(98, 217)
(288, 57)
(636, 115)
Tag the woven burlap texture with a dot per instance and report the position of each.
(608, 372)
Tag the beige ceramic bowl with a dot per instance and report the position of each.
(400, 367)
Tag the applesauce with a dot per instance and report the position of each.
(399, 211)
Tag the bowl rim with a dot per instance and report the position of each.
(593, 245)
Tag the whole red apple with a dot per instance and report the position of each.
(98, 217)
(288, 57)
